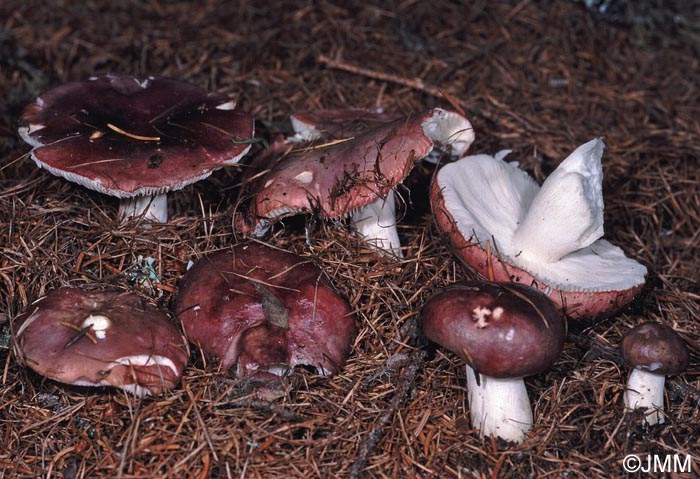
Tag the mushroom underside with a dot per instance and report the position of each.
(488, 199)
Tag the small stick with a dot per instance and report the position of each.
(415, 83)
(405, 384)
(324, 145)
(81, 332)
(132, 135)
(489, 262)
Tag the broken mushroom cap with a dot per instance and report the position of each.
(102, 338)
(264, 311)
(341, 176)
(135, 139)
(504, 331)
(653, 350)
(503, 225)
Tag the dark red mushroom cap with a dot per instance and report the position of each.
(339, 123)
(126, 137)
(503, 330)
(265, 310)
(655, 348)
(338, 176)
(102, 338)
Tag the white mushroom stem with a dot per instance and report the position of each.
(566, 214)
(645, 390)
(151, 208)
(499, 407)
(376, 223)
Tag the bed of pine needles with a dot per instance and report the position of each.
(538, 78)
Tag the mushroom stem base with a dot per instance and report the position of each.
(376, 223)
(151, 208)
(499, 407)
(645, 390)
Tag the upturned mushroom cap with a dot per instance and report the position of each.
(265, 310)
(482, 199)
(655, 348)
(337, 177)
(103, 338)
(502, 330)
(127, 137)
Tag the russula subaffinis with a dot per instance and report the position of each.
(101, 338)
(336, 124)
(135, 139)
(549, 238)
(504, 332)
(265, 311)
(353, 175)
(653, 351)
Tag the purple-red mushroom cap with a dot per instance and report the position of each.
(502, 330)
(352, 172)
(336, 124)
(101, 338)
(132, 138)
(652, 350)
(263, 310)
(656, 348)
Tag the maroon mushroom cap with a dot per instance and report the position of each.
(339, 123)
(503, 330)
(102, 338)
(265, 311)
(126, 137)
(655, 348)
(335, 177)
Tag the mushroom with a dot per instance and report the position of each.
(353, 175)
(653, 350)
(336, 124)
(548, 237)
(264, 311)
(135, 139)
(101, 338)
(504, 332)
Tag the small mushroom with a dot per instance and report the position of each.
(264, 311)
(135, 139)
(654, 351)
(504, 332)
(353, 175)
(102, 338)
(501, 222)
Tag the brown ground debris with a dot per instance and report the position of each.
(538, 78)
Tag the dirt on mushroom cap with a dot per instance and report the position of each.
(101, 338)
(126, 137)
(236, 295)
(503, 330)
(333, 177)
